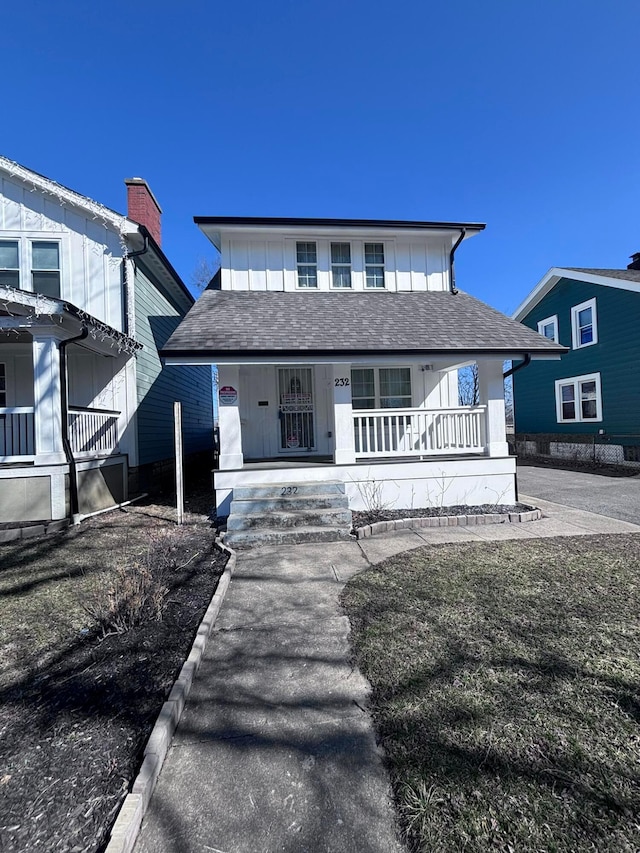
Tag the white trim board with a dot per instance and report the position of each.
(553, 276)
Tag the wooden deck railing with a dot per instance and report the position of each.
(383, 433)
(93, 431)
(17, 440)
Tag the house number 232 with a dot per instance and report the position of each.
(341, 382)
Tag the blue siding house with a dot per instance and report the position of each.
(587, 405)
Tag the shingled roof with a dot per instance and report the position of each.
(624, 275)
(226, 323)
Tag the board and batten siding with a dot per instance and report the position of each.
(90, 249)
(614, 356)
(157, 317)
(260, 263)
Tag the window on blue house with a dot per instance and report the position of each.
(579, 399)
(584, 328)
(549, 328)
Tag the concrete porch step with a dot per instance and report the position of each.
(285, 520)
(293, 536)
(288, 490)
(309, 502)
(288, 513)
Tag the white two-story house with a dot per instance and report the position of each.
(338, 344)
(87, 297)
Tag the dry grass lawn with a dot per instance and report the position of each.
(506, 692)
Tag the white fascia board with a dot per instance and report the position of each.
(216, 232)
(546, 283)
(438, 364)
(549, 281)
(90, 207)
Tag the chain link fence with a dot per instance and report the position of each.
(596, 450)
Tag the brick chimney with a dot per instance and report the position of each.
(635, 262)
(143, 208)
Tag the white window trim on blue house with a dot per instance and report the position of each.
(579, 397)
(549, 323)
(577, 330)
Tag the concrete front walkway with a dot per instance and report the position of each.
(275, 751)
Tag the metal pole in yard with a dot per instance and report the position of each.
(177, 424)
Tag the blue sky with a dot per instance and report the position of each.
(520, 114)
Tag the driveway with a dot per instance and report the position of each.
(616, 497)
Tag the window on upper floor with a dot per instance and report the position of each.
(10, 263)
(341, 265)
(549, 328)
(579, 399)
(584, 325)
(307, 262)
(45, 268)
(41, 257)
(374, 264)
(381, 388)
(3, 384)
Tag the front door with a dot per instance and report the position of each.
(296, 410)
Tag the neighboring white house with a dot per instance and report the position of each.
(87, 298)
(338, 344)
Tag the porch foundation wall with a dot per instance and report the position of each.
(41, 493)
(390, 485)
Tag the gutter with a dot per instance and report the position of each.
(74, 502)
(125, 277)
(452, 268)
(524, 363)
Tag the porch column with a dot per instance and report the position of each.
(47, 401)
(229, 417)
(344, 442)
(491, 388)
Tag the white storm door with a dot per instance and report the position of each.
(296, 413)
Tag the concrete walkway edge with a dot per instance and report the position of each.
(127, 825)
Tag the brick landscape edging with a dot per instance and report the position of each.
(446, 521)
(127, 826)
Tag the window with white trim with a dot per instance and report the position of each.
(584, 325)
(307, 262)
(579, 399)
(45, 268)
(3, 384)
(31, 265)
(549, 328)
(374, 264)
(341, 265)
(10, 263)
(381, 388)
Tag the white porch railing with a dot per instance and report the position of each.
(17, 437)
(93, 431)
(419, 432)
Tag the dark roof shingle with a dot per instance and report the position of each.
(625, 275)
(226, 322)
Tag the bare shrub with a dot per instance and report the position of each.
(136, 591)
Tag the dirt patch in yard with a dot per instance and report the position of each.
(76, 706)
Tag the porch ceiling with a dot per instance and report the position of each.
(246, 325)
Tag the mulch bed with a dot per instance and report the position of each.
(74, 723)
(374, 515)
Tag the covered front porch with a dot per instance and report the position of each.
(64, 410)
(392, 432)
